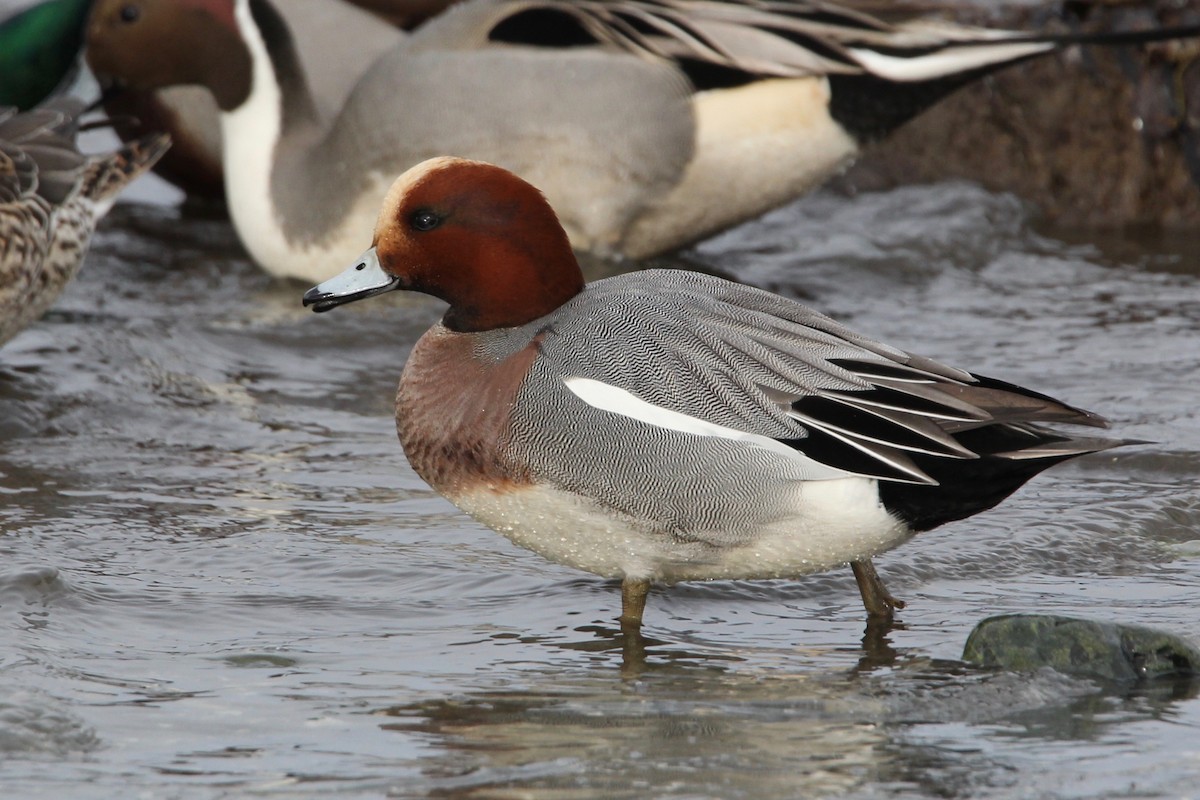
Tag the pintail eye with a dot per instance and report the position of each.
(130, 12)
(425, 220)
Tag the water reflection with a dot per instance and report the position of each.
(680, 728)
(679, 723)
(218, 577)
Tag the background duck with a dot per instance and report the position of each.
(666, 425)
(649, 125)
(51, 197)
(335, 39)
(39, 50)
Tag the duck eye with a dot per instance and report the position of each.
(130, 13)
(425, 220)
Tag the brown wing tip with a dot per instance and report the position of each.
(144, 153)
(113, 172)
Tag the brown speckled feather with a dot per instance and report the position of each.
(51, 197)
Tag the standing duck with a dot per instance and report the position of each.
(650, 124)
(51, 197)
(664, 425)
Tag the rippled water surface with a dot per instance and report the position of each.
(219, 577)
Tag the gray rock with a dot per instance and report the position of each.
(1105, 650)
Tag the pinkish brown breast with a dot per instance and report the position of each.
(453, 413)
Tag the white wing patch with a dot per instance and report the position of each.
(613, 399)
(950, 61)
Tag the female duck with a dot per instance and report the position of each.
(51, 197)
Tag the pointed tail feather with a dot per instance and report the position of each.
(109, 174)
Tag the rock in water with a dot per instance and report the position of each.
(1105, 650)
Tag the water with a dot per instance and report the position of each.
(219, 578)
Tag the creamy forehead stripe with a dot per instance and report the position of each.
(407, 181)
(606, 397)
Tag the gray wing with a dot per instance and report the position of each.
(589, 147)
(752, 362)
(778, 39)
(39, 151)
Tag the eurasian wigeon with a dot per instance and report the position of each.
(666, 425)
(51, 197)
(650, 124)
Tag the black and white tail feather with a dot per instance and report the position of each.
(882, 73)
(944, 446)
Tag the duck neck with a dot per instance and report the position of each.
(275, 55)
(500, 297)
(277, 107)
(278, 102)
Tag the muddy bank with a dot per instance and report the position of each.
(1094, 136)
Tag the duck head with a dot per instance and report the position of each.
(151, 44)
(469, 233)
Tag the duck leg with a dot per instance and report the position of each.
(876, 598)
(633, 603)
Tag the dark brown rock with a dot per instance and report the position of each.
(1094, 136)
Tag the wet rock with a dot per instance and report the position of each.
(1093, 136)
(1105, 650)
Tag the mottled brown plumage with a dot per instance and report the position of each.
(51, 197)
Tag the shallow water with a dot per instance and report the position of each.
(219, 578)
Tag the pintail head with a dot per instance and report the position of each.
(151, 44)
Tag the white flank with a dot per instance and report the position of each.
(825, 524)
(950, 61)
(757, 147)
(606, 397)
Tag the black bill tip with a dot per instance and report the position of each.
(321, 301)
